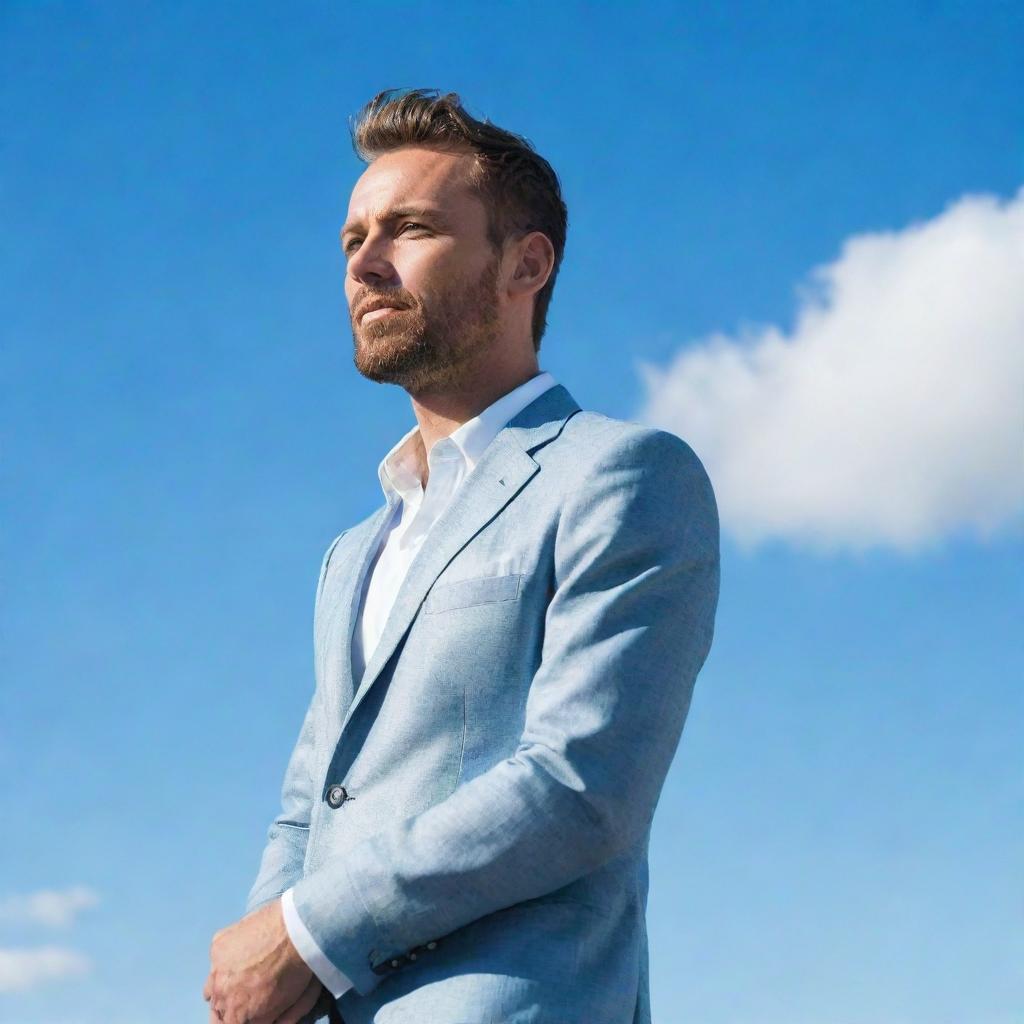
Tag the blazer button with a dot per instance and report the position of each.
(336, 796)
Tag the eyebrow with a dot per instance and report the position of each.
(426, 212)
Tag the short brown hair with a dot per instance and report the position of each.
(518, 186)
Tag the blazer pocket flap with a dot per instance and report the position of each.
(479, 590)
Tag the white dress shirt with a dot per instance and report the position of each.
(450, 460)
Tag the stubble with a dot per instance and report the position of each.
(431, 344)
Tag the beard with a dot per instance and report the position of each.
(432, 343)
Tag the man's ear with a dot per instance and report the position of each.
(534, 260)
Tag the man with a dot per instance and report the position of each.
(505, 651)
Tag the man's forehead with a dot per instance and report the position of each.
(412, 179)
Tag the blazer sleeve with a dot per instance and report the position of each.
(627, 629)
(285, 850)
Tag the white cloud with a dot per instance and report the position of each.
(22, 969)
(892, 415)
(54, 907)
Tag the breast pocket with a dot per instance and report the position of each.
(468, 593)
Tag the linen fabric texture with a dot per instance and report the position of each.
(504, 750)
(450, 460)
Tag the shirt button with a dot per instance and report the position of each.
(336, 796)
(431, 945)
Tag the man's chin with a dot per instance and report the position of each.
(410, 360)
(405, 373)
(416, 379)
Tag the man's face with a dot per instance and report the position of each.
(416, 241)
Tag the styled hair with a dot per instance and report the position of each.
(517, 186)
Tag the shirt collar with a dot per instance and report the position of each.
(400, 471)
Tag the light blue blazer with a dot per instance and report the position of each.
(501, 758)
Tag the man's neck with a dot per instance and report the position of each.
(439, 414)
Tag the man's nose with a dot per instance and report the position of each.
(370, 264)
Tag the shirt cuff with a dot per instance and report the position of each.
(336, 982)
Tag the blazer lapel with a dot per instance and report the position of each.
(346, 606)
(505, 467)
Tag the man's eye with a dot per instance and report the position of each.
(351, 244)
(414, 226)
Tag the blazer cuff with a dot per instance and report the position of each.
(334, 980)
(337, 916)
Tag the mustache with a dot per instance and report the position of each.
(399, 298)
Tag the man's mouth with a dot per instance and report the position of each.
(376, 314)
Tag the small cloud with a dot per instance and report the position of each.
(53, 907)
(23, 969)
(893, 413)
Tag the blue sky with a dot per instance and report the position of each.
(839, 840)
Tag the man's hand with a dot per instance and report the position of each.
(256, 974)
